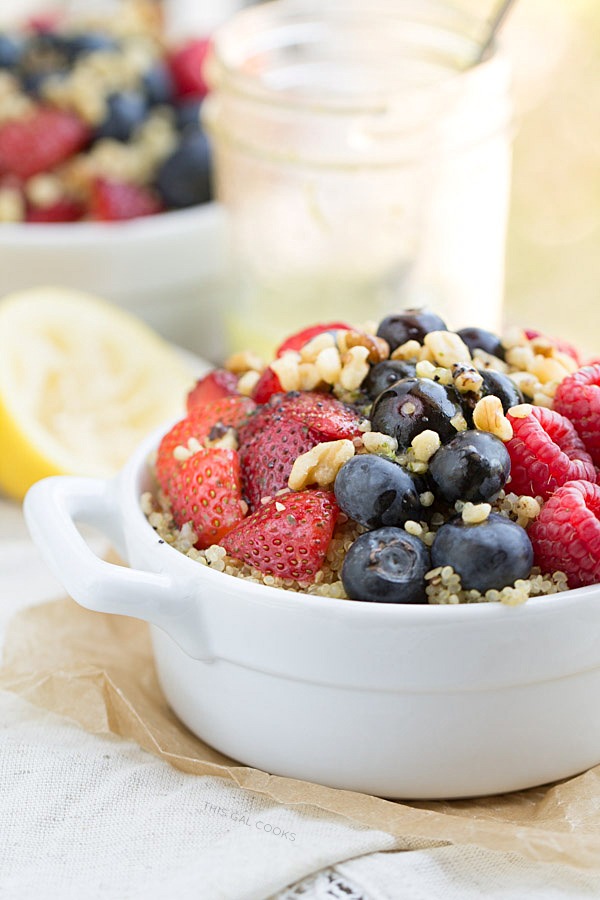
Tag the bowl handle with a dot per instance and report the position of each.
(53, 506)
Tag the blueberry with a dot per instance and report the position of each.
(384, 374)
(414, 405)
(480, 339)
(386, 566)
(10, 51)
(184, 179)
(473, 466)
(187, 114)
(501, 386)
(89, 42)
(158, 85)
(490, 555)
(409, 325)
(126, 110)
(33, 82)
(376, 491)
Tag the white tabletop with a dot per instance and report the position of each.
(83, 816)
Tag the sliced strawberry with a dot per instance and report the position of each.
(268, 458)
(186, 68)
(40, 141)
(229, 412)
(267, 385)
(287, 537)
(113, 201)
(298, 340)
(205, 490)
(63, 210)
(217, 384)
(327, 418)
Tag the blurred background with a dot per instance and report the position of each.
(553, 242)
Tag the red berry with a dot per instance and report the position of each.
(329, 419)
(229, 412)
(63, 210)
(578, 398)
(545, 452)
(40, 141)
(217, 384)
(206, 491)
(113, 201)
(566, 534)
(186, 68)
(268, 458)
(291, 542)
(267, 385)
(298, 340)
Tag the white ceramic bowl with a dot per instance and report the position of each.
(398, 701)
(168, 269)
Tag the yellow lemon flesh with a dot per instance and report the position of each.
(81, 383)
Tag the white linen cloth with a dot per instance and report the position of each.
(84, 817)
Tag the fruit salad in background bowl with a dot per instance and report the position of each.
(105, 172)
(371, 561)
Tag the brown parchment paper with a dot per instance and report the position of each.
(98, 670)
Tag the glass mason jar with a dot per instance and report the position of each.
(364, 162)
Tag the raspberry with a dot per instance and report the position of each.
(545, 452)
(578, 398)
(561, 346)
(566, 534)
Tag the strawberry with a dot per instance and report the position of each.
(113, 201)
(229, 412)
(267, 385)
(268, 458)
(64, 210)
(287, 537)
(298, 340)
(40, 141)
(327, 418)
(205, 490)
(186, 68)
(282, 430)
(217, 384)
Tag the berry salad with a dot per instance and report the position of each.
(395, 463)
(100, 119)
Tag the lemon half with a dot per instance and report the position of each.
(81, 383)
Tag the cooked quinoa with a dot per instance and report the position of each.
(443, 583)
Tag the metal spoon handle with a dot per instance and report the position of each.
(493, 27)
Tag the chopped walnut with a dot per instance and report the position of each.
(286, 369)
(466, 378)
(424, 445)
(447, 348)
(474, 513)
(320, 465)
(488, 415)
(378, 348)
(376, 442)
(244, 361)
(409, 351)
(329, 365)
(355, 368)
(247, 382)
(311, 350)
